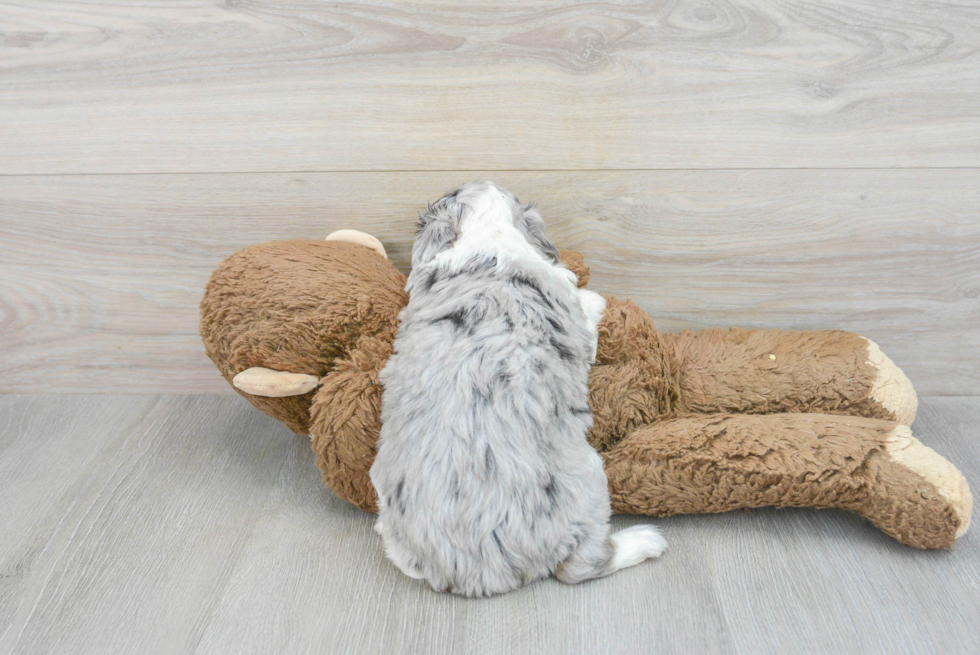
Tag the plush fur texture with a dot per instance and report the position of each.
(686, 423)
(309, 307)
(484, 476)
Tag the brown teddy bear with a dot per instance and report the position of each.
(693, 422)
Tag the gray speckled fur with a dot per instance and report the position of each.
(484, 476)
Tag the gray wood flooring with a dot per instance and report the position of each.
(195, 524)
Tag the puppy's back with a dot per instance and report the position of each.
(484, 476)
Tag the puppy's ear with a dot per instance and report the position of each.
(531, 226)
(438, 230)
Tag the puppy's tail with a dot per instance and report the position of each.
(635, 544)
(599, 558)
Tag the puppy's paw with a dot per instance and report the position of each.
(635, 544)
(379, 527)
(593, 305)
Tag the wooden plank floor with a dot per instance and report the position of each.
(195, 524)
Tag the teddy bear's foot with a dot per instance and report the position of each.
(892, 389)
(908, 452)
(362, 238)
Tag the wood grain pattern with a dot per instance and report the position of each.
(157, 514)
(198, 525)
(548, 84)
(100, 276)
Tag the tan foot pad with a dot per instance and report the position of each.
(892, 388)
(908, 451)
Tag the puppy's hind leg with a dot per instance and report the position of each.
(396, 552)
(597, 558)
(401, 559)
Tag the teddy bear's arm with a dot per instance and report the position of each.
(345, 422)
(769, 371)
(575, 262)
(724, 462)
(650, 374)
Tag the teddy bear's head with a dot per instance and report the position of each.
(297, 307)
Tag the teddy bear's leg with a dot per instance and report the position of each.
(634, 379)
(770, 371)
(345, 423)
(723, 462)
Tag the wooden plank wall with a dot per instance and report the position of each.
(793, 164)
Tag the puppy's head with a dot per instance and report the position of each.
(483, 211)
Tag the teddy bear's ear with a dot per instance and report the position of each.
(261, 381)
(574, 262)
(362, 238)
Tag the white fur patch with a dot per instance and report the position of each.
(593, 305)
(490, 230)
(635, 544)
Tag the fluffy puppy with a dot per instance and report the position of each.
(484, 476)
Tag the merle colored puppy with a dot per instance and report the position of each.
(484, 476)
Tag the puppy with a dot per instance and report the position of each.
(484, 476)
